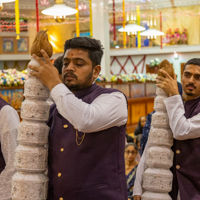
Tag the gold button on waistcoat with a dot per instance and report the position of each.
(178, 167)
(65, 126)
(62, 149)
(178, 151)
(61, 198)
(59, 174)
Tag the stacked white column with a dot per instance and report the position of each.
(157, 179)
(30, 182)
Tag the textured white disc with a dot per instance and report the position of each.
(155, 196)
(160, 120)
(29, 186)
(160, 136)
(157, 180)
(33, 109)
(159, 157)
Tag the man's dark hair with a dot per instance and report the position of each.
(92, 46)
(193, 61)
(58, 63)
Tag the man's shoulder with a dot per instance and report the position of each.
(3, 103)
(52, 108)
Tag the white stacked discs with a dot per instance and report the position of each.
(31, 159)
(27, 186)
(30, 183)
(159, 104)
(159, 157)
(157, 179)
(155, 196)
(35, 90)
(30, 133)
(160, 136)
(160, 119)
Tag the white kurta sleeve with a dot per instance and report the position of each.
(182, 128)
(137, 189)
(9, 121)
(106, 111)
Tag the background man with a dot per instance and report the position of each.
(184, 118)
(87, 127)
(9, 121)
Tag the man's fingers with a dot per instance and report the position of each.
(162, 82)
(159, 85)
(41, 62)
(34, 68)
(160, 78)
(46, 57)
(33, 73)
(137, 197)
(165, 73)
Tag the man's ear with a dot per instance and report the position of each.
(96, 71)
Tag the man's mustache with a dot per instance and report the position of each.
(191, 85)
(70, 74)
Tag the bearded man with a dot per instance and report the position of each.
(184, 120)
(87, 127)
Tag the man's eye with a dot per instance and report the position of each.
(187, 75)
(66, 64)
(79, 64)
(197, 77)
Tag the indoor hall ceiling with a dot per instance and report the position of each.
(148, 4)
(130, 4)
(30, 4)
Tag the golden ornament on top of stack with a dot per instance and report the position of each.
(165, 65)
(41, 42)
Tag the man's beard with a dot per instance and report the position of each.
(189, 94)
(78, 86)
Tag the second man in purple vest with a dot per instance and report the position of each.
(184, 118)
(87, 127)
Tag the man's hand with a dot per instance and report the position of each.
(168, 84)
(137, 197)
(47, 73)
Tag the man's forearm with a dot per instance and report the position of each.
(182, 128)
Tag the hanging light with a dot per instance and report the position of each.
(133, 28)
(132, 17)
(4, 1)
(151, 33)
(127, 18)
(59, 11)
(154, 24)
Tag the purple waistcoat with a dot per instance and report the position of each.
(95, 170)
(187, 178)
(2, 161)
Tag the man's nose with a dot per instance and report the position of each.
(191, 80)
(70, 67)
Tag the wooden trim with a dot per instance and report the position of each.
(11, 88)
(143, 99)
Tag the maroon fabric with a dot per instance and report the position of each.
(95, 170)
(187, 178)
(2, 161)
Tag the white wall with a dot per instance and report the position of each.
(183, 57)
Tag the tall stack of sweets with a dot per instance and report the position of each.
(157, 179)
(30, 182)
